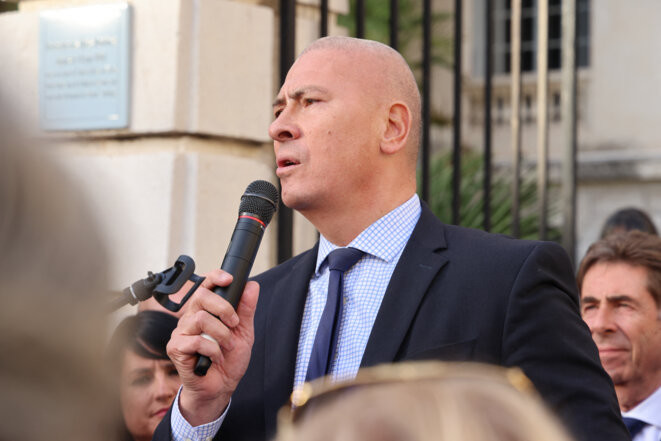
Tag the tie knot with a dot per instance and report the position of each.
(634, 425)
(342, 259)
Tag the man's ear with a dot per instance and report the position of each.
(397, 129)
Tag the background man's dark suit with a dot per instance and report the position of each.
(456, 294)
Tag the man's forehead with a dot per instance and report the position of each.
(321, 73)
(315, 62)
(332, 60)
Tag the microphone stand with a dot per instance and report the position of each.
(161, 285)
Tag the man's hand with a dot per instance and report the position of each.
(204, 399)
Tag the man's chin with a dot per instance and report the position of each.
(294, 200)
(615, 363)
(617, 374)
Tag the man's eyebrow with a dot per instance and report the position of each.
(620, 298)
(589, 299)
(298, 93)
(278, 102)
(609, 299)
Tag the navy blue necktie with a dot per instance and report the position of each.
(634, 425)
(325, 341)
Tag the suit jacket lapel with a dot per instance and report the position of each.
(282, 331)
(421, 260)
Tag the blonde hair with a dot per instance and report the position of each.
(424, 401)
(52, 280)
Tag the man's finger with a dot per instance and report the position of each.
(205, 300)
(215, 278)
(186, 349)
(247, 306)
(202, 322)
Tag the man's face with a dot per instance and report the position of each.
(326, 130)
(625, 324)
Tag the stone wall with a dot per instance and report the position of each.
(202, 83)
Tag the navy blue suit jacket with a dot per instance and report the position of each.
(456, 294)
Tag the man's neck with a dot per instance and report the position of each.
(340, 227)
(629, 396)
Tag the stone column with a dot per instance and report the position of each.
(201, 86)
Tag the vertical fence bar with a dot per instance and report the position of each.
(569, 118)
(394, 24)
(488, 45)
(542, 112)
(323, 22)
(360, 18)
(287, 54)
(426, 94)
(456, 122)
(515, 118)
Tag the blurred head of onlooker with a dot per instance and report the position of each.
(628, 219)
(421, 401)
(620, 284)
(52, 299)
(146, 378)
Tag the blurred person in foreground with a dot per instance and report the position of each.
(52, 300)
(628, 219)
(346, 138)
(620, 282)
(422, 401)
(146, 378)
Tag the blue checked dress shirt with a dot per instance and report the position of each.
(364, 287)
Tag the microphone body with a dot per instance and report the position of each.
(258, 204)
(240, 256)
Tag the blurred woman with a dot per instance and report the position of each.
(147, 379)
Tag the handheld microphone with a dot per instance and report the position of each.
(258, 204)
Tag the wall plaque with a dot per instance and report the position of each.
(84, 67)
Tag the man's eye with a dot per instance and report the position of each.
(309, 101)
(588, 307)
(277, 113)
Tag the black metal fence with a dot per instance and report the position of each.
(287, 56)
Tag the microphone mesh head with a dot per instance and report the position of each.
(260, 200)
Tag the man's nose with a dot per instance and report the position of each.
(284, 128)
(602, 321)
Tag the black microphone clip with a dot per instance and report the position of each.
(163, 284)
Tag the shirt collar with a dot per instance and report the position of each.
(385, 238)
(649, 410)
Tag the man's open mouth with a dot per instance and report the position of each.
(287, 163)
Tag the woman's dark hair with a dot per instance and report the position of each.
(628, 219)
(147, 334)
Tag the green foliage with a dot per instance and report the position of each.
(410, 34)
(377, 27)
(472, 196)
(8, 7)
